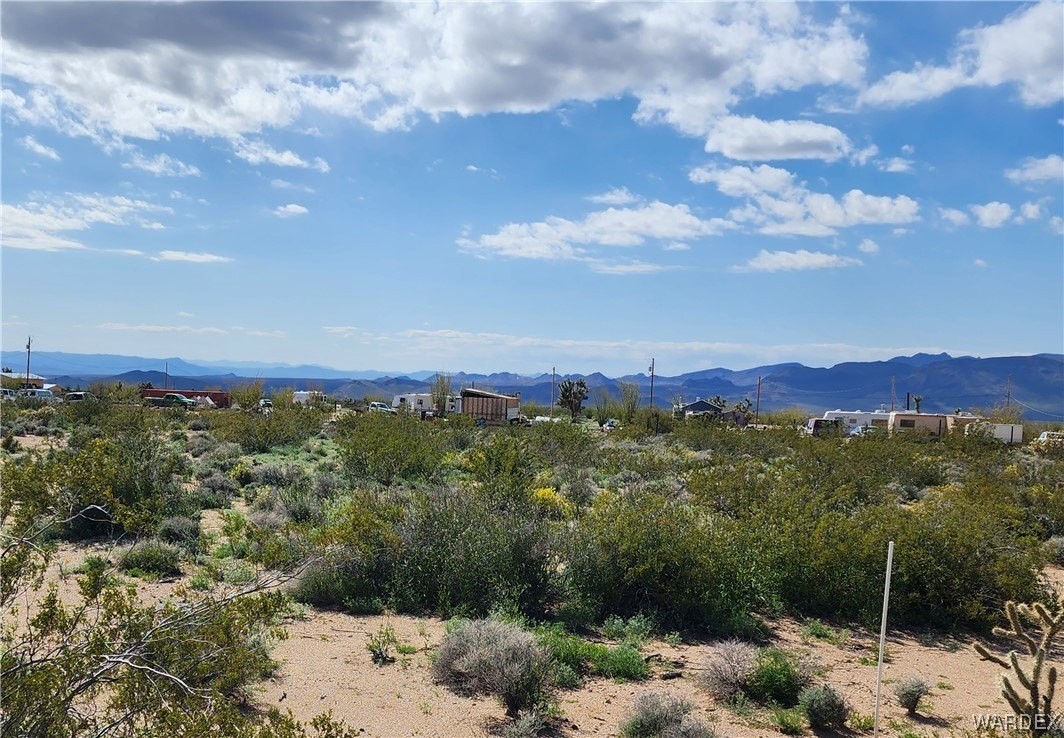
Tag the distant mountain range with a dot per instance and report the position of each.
(1034, 383)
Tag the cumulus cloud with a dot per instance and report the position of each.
(954, 217)
(161, 165)
(895, 164)
(793, 261)
(979, 263)
(616, 196)
(778, 205)
(1025, 50)
(582, 240)
(753, 139)
(1038, 170)
(868, 246)
(1056, 224)
(119, 71)
(196, 257)
(992, 215)
(290, 210)
(1030, 211)
(31, 144)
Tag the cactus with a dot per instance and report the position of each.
(1031, 703)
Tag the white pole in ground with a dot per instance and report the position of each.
(883, 637)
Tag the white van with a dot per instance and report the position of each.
(40, 394)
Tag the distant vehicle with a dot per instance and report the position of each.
(823, 427)
(520, 420)
(382, 407)
(863, 430)
(265, 403)
(611, 425)
(79, 397)
(1049, 439)
(545, 419)
(8, 395)
(40, 394)
(171, 399)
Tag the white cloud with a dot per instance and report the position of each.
(31, 144)
(259, 152)
(676, 246)
(616, 196)
(1056, 224)
(282, 184)
(161, 165)
(792, 261)
(1030, 211)
(868, 246)
(561, 239)
(1025, 49)
(740, 181)
(290, 210)
(954, 217)
(140, 72)
(183, 314)
(623, 269)
(266, 334)
(979, 263)
(191, 256)
(753, 139)
(1038, 170)
(908, 149)
(41, 224)
(150, 328)
(895, 164)
(992, 215)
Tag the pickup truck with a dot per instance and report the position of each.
(171, 399)
(380, 407)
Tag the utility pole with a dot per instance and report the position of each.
(652, 395)
(29, 341)
(892, 394)
(553, 374)
(757, 407)
(166, 375)
(1008, 393)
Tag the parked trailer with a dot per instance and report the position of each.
(1009, 433)
(491, 407)
(856, 418)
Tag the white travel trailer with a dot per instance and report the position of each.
(421, 403)
(306, 397)
(856, 418)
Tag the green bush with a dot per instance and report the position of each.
(656, 715)
(634, 631)
(152, 557)
(824, 707)
(388, 448)
(459, 554)
(777, 678)
(640, 552)
(623, 663)
(181, 530)
(789, 722)
(497, 658)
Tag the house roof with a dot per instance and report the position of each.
(471, 392)
(701, 403)
(20, 375)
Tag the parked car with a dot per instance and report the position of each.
(1049, 439)
(79, 397)
(382, 407)
(171, 399)
(8, 395)
(40, 394)
(863, 430)
(611, 425)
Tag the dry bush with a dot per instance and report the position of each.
(728, 671)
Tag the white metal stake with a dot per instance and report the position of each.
(883, 637)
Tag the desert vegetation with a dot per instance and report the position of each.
(556, 553)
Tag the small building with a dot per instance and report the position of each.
(491, 407)
(21, 380)
(423, 402)
(699, 407)
(908, 422)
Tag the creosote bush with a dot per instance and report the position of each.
(496, 658)
(777, 677)
(152, 557)
(728, 670)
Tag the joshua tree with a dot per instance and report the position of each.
(441, 392)
(1035, 705)
(572, 394)
(917, 399)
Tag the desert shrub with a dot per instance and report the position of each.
(777, 678)
(623, 662)
(327, 485)
(504, 467)
(655, 715)
(200, 444)
(459, 554)
(640, 552)
(909, 691)
(386, 449)
(181, 530)
(259, 433)
(268, 475)
(528, 725)
(214, 491)
(1054, 549)
(10, 445)
(496, 658)
(576, 657)
(789, 721)
(728, 670)
(635, 630)
(152, 557)
(824, 707)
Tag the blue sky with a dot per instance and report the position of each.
(515, 187)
